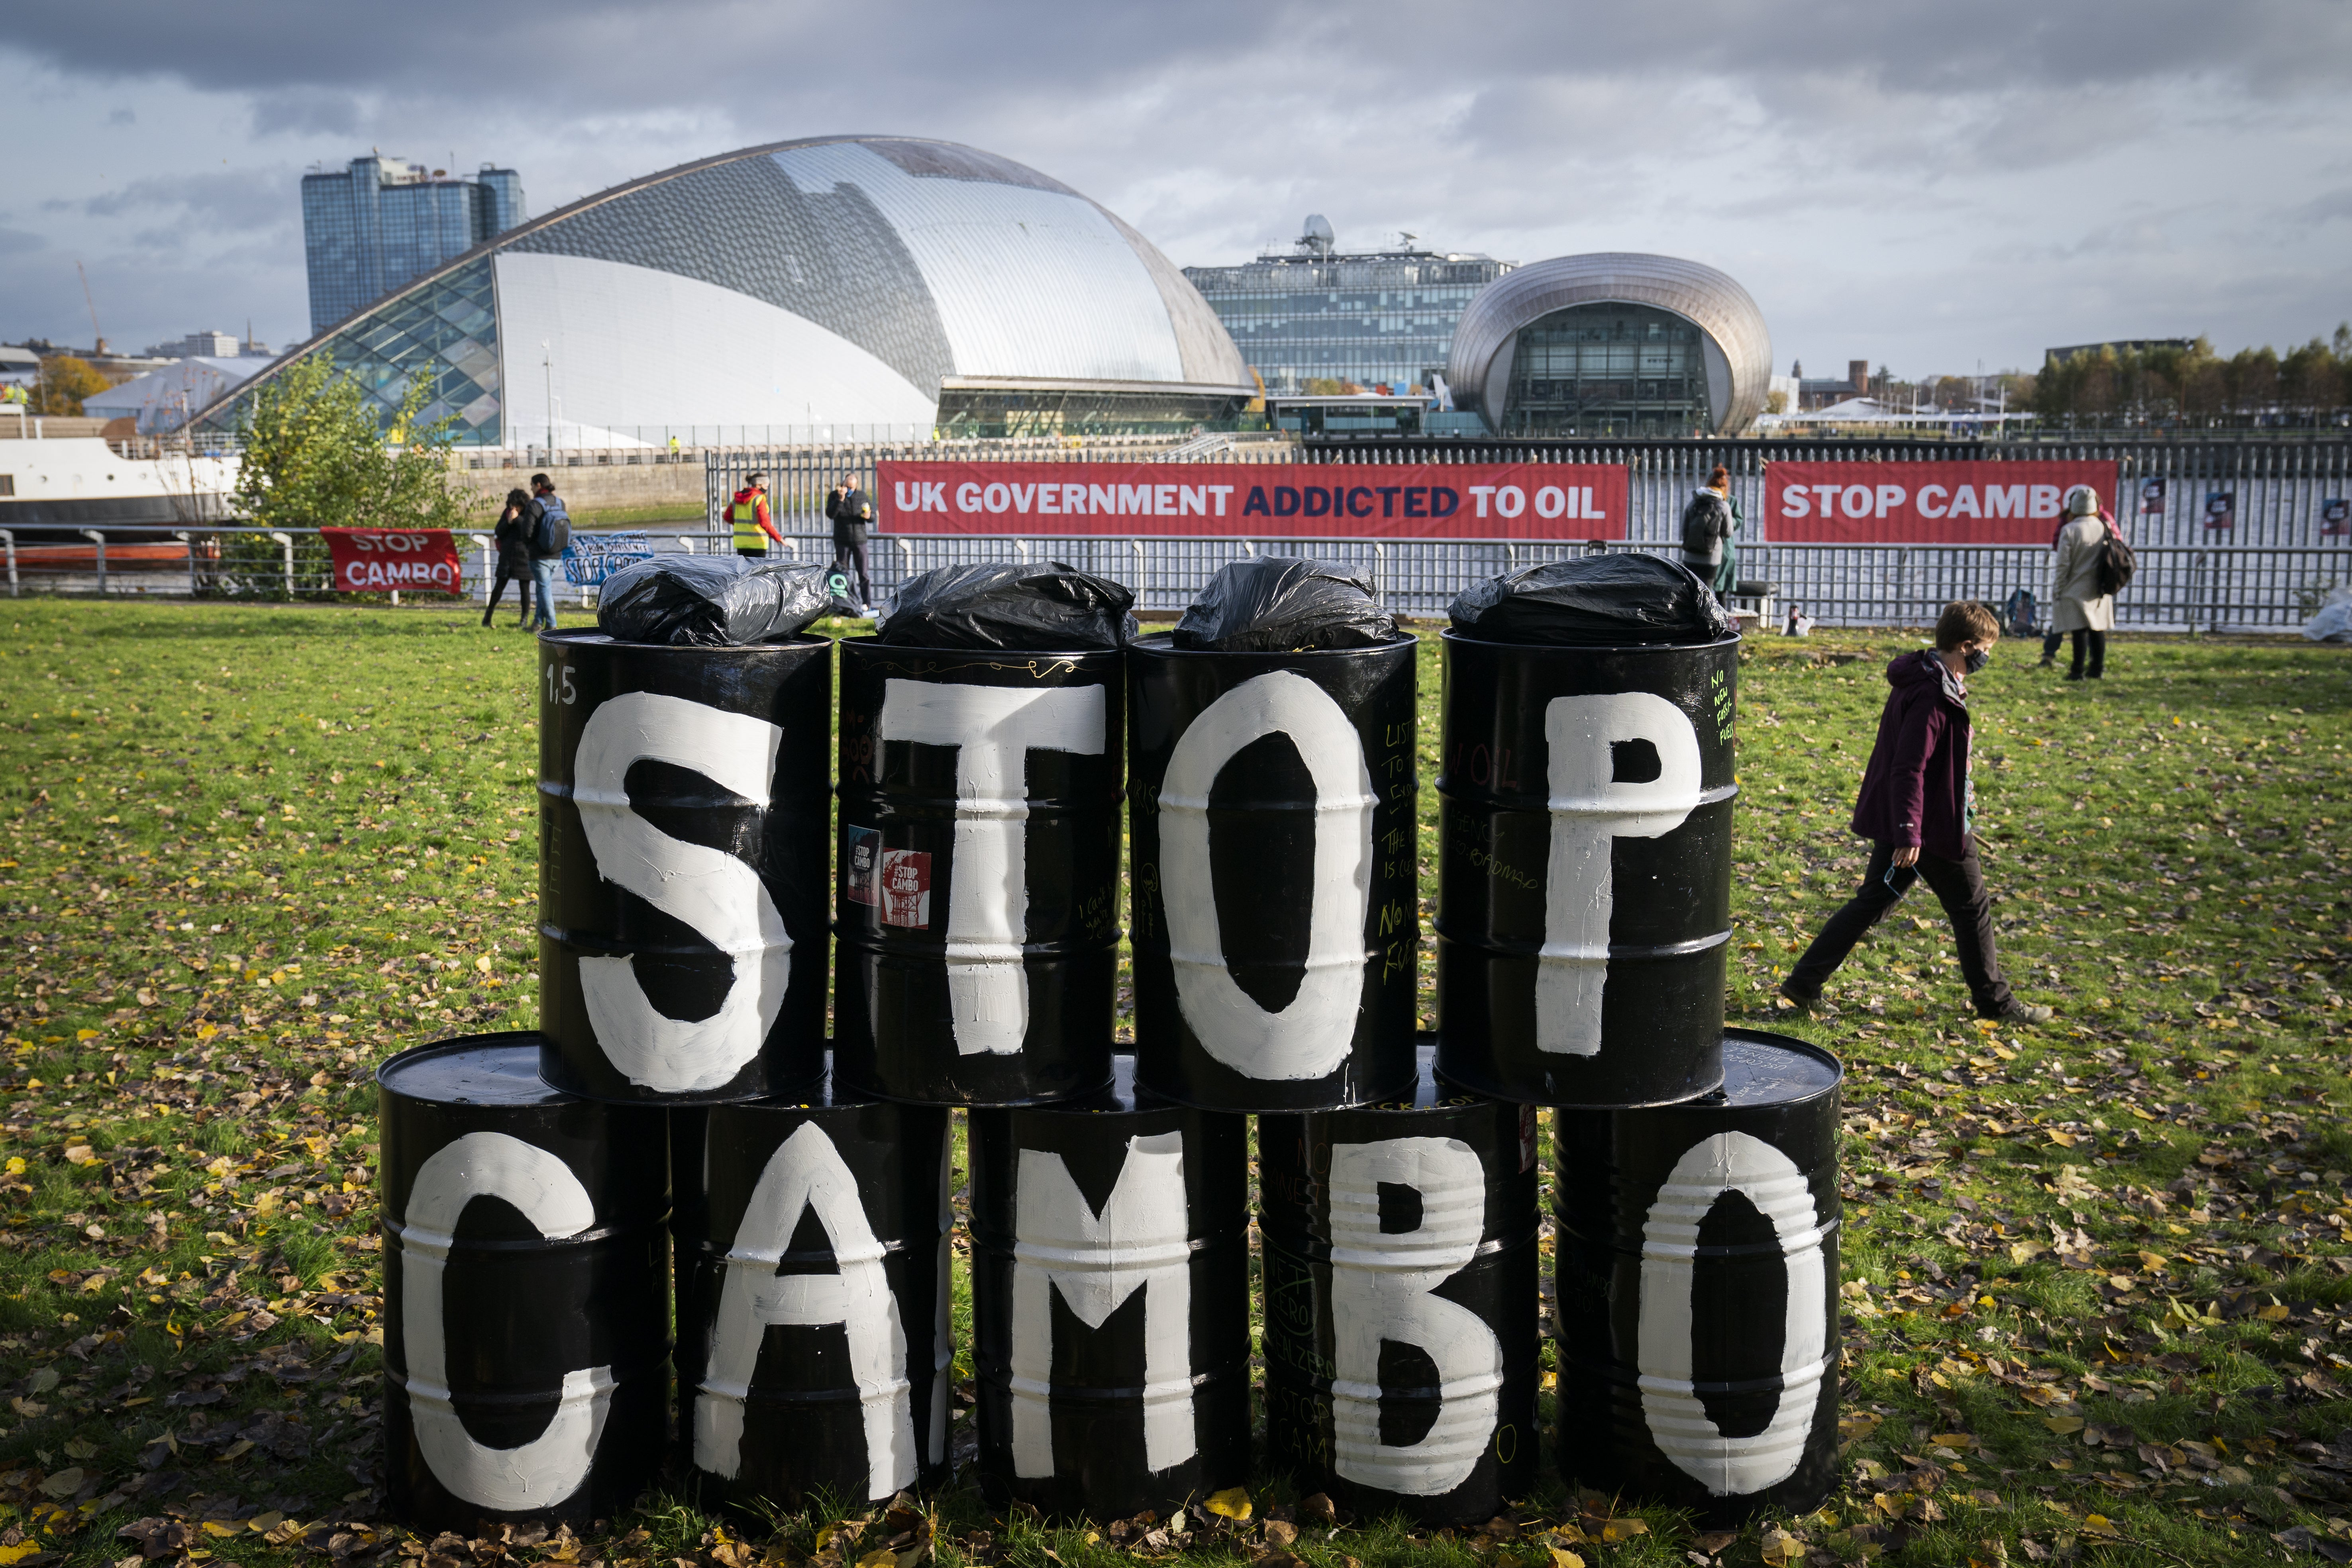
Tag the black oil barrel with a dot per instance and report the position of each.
(1277, 916)
(979, 872)
(1584, 870)
(1110, 1302)
(683, 813)
(1401, 1282)
(526, 1290)
(1698, 1281)
(813, 1325)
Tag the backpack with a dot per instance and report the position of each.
(1706, 519)
(553, 534)
(2021, 616)
(2117, 563)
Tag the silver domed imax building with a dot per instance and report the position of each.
(1615, 344)
(837, 287)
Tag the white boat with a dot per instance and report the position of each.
(55, 488)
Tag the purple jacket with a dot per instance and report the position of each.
(1915, 790)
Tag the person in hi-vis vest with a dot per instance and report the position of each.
(748, 513)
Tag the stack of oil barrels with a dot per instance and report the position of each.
(683, 1134)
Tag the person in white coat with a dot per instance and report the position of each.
(2080, 610)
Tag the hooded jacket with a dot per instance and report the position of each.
(1916, 791)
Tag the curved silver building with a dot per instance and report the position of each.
(875, 283)
(1615, 344)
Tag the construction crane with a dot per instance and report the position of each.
(97, 338)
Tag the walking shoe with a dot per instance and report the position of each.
(2073, 674)
(1798, 1001)
(2048, 662)
(2015, 1011)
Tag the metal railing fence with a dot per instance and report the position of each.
(2177, 588)
(281, 565)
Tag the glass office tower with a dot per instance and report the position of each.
(383, 221)
(1314, 313)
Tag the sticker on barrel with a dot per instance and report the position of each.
(861, 860)
(906, 878)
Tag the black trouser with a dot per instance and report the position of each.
(2050, 645)
(748, 553)
(2098, 647)
(1957, 884)
(850, 555)
(521, 579)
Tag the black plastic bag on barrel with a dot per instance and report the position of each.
(1281, 604)
(1009, 604)
(713, 601)
(1595, 601)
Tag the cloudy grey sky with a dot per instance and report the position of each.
(1928, 184)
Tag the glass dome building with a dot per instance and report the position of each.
(1616, 344)
(834, 287)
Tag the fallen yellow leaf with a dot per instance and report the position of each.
(1233, 1502)
(18, 1553)
(1562, 1557)
(1618, 1530)
(2063, 1426)
(2064, 1140)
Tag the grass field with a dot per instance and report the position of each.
(2096, 1275)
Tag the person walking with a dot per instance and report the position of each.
(550, 531)
(2078, 609)
(1709, 523)
(748, 513)
(512, 535)
(852, 512)
(1917, 806)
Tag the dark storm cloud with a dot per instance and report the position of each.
(619, 55)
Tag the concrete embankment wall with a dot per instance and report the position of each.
(599, 493)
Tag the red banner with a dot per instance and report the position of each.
(373, 560)
(1415, 500)
(1924, 503)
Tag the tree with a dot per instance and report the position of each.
(315, 456)
(1776, 402)
(64, 381)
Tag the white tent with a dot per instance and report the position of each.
(162, 400)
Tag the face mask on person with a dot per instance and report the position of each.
(1978, 659)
